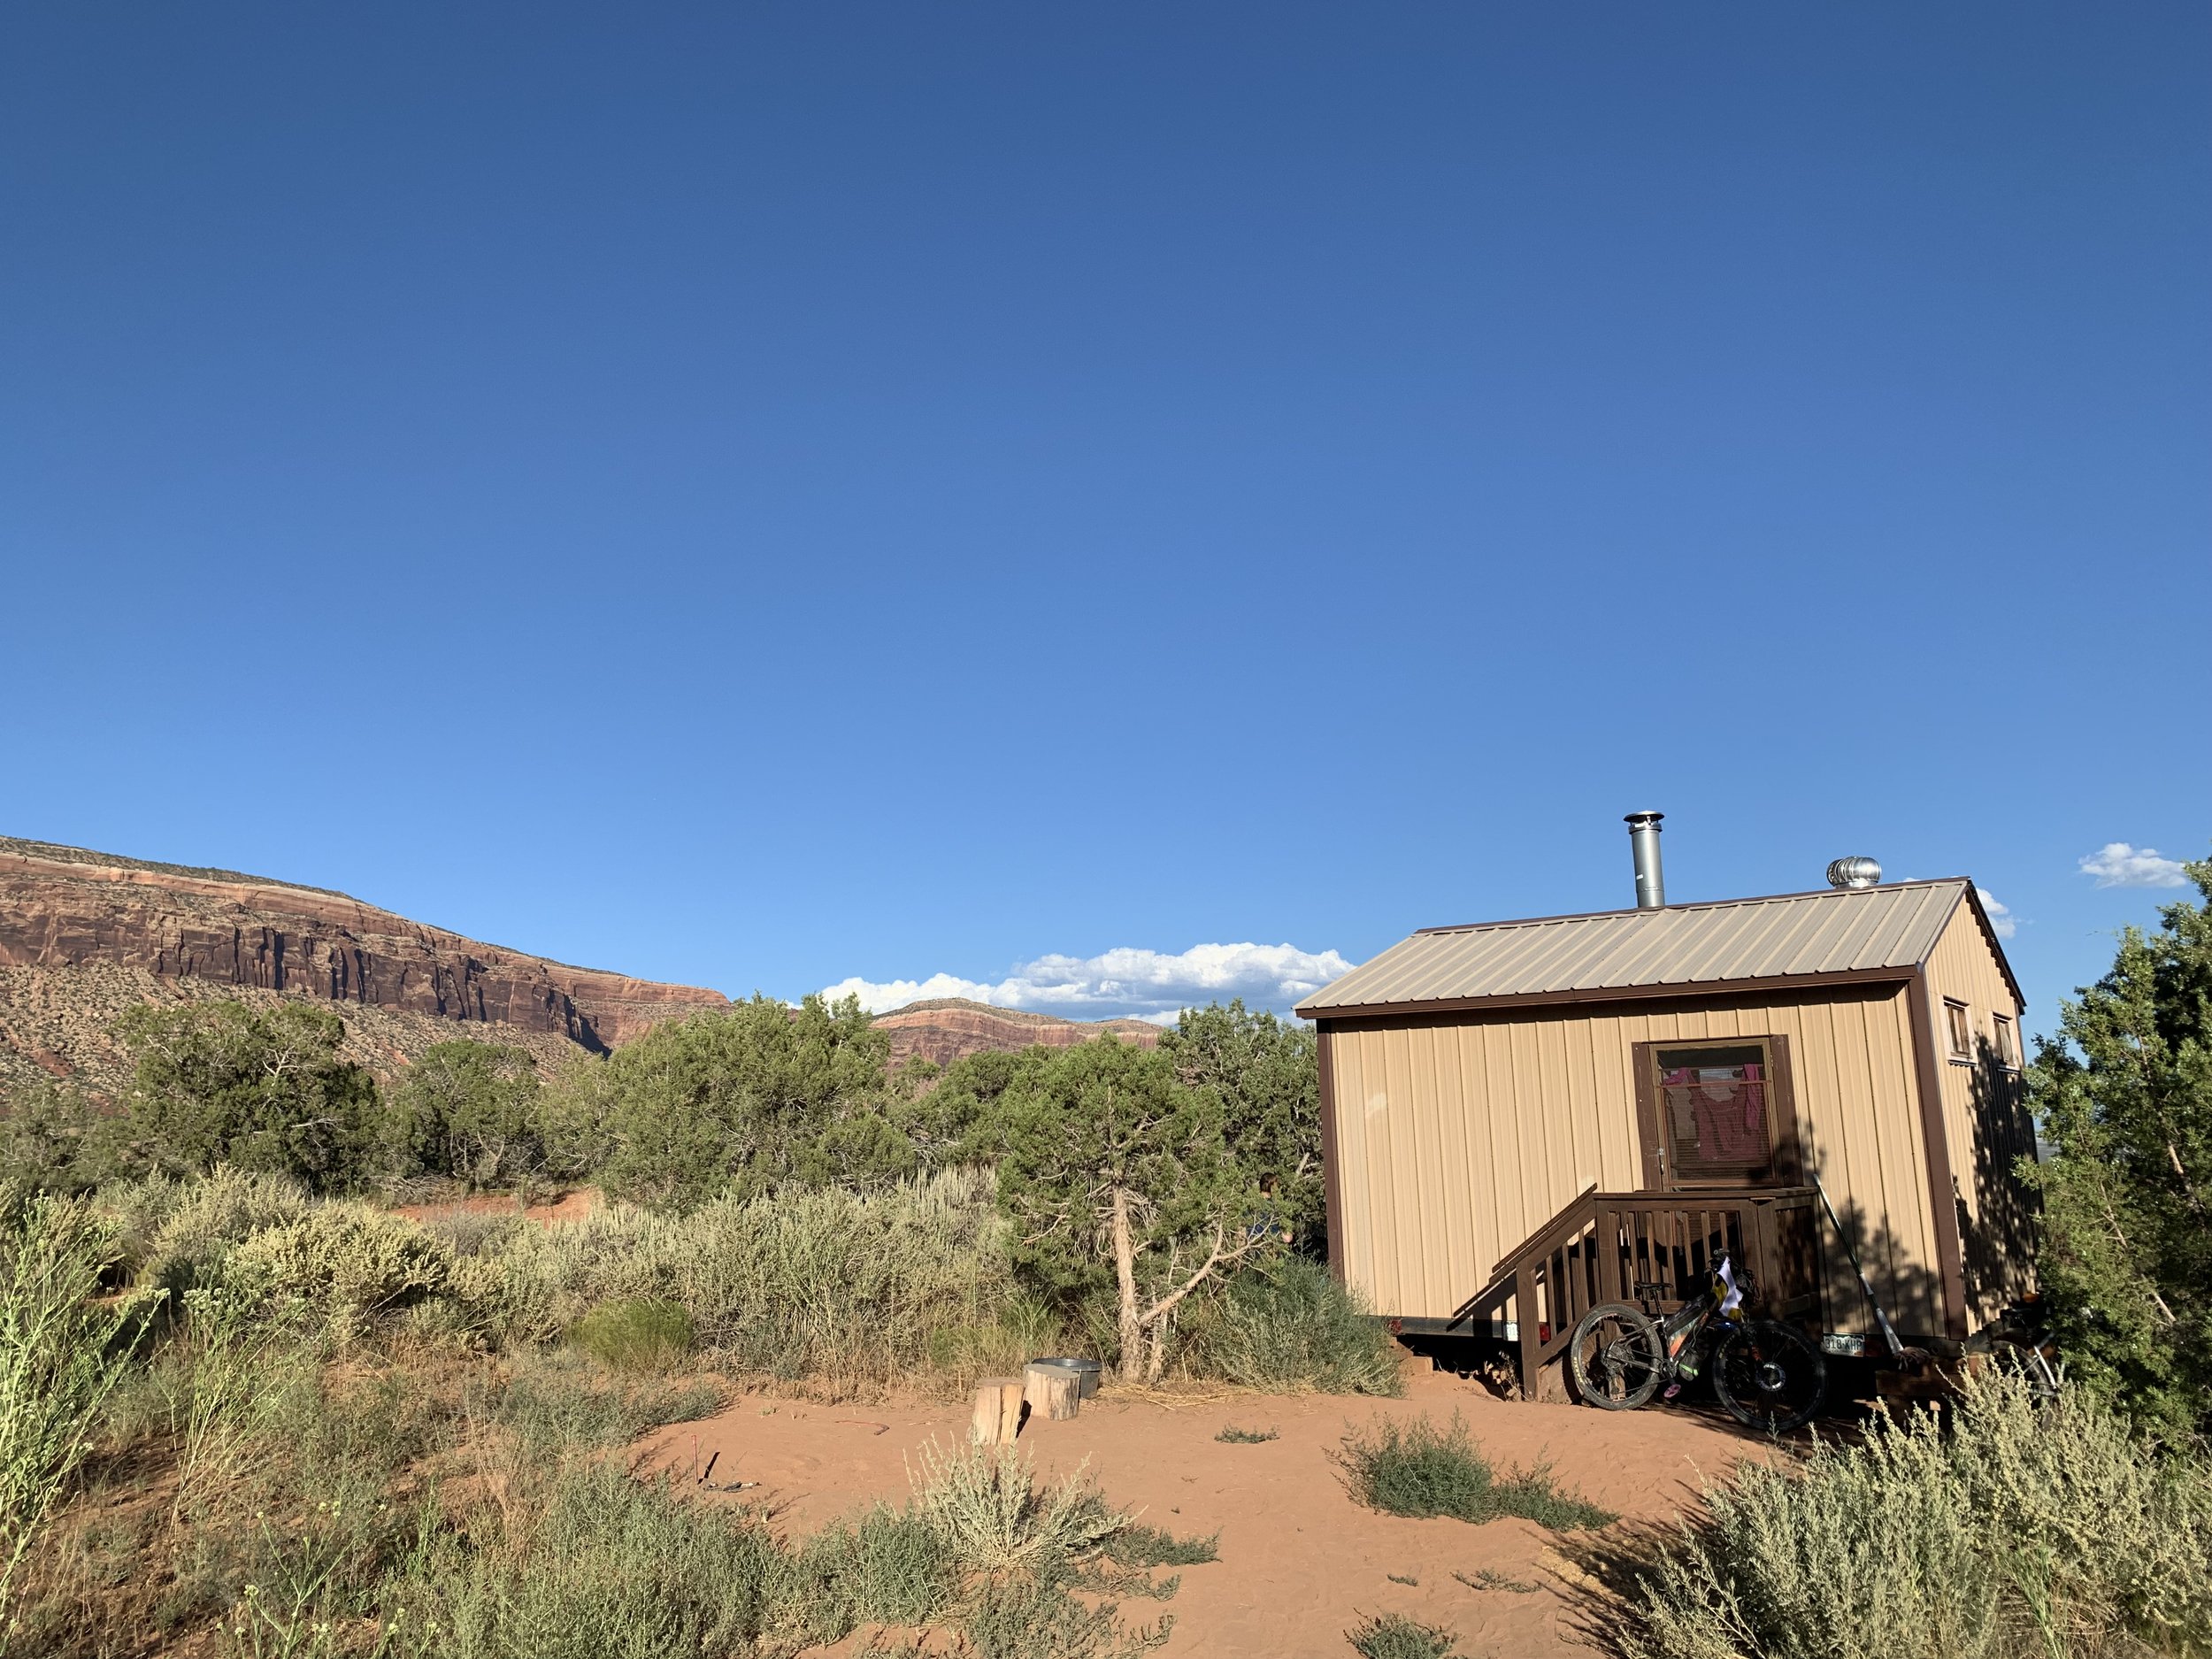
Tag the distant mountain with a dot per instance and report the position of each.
(84, 934)
(944, 1028)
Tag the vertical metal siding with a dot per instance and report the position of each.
(1458, 1137)
(1984, 1119)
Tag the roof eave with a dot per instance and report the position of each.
(1891, 974)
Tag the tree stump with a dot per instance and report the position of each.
(1054, 1392)
(998, 1411)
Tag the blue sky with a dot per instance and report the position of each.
(763, 497)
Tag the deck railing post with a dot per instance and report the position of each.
(1525, 1311)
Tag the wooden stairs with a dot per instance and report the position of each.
(1651, 1248)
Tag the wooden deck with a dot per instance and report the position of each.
(1645, 1248)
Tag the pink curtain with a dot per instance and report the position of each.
(1729, 1112)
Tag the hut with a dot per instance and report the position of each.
(1522, 1118)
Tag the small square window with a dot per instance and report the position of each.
(2007, 1054)
(1960, 1029)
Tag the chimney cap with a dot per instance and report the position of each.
(1637, 820)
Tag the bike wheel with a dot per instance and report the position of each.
(1617, 1356)
(1770, 1377)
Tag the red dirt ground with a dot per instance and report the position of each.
(1300, 1562)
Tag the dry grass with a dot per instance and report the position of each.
(400, 1500)
(57, 1366)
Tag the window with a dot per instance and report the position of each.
(2007, 1055)
(1716, 1112)
(1960, 1029)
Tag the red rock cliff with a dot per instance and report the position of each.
(61, 907)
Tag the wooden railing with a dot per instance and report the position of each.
(1654, 1248)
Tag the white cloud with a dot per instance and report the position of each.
(2117, 865)
(1147, 984)
(2002, 922)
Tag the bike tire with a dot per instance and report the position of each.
(1771, 1377)
(1621, 1370)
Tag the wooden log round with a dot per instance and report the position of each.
(1054, 1392)
(998, 1411)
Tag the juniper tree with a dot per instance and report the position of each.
(1266, 1071)
(2124, 1099)
(1118, 1178)
(264, 1089)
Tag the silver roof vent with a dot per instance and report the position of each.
(1854, 872)
(1651, 882)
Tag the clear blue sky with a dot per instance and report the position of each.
(761, 495)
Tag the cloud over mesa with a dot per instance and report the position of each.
(1147, 984)
(2117, 865)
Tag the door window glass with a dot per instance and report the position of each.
(1718, 1114)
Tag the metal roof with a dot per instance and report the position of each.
(1849, 934)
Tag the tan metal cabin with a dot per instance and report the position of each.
(1521, 1118)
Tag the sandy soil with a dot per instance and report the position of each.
(1300, 1562)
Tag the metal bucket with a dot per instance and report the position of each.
(1086, 1371)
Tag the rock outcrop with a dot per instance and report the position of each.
(62, 907)
(942, 1029)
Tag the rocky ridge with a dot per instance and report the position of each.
(84, 935)
(62, 907)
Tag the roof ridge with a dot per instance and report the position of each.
(1696, 905)
(1827, 936)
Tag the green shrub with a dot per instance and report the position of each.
(57, 1139)
(1137, 1545)
(1419, 1470)
(2016, 1530)
(1289, 1324)
(1021, 1617)
(889, 1567)
(1394, 1636)
(1232, 1435)
(649, 1334)
(600, 1564)
(339, 1267)
(184, 1231)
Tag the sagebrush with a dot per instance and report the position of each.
(2017, 1527)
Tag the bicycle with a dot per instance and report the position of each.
(1769, 1376)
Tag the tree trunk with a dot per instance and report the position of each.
(1126, 1276)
